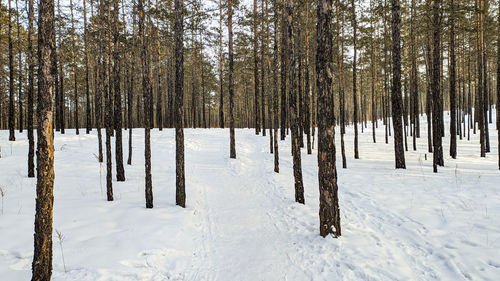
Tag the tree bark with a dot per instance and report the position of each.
(329, 213)
(256, 69)
(180, 194)
(12, 134)
(453, 122)
(88, 122)
(232, 144)
(297, 166)
(120, 171)
(435, 85)
(396, 87)
(146, 90)
(354, 84)
(42, 258)
(31, 89)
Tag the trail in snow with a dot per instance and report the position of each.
(241, 221)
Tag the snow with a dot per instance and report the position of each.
(241, 221)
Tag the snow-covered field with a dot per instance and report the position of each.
(241, 221)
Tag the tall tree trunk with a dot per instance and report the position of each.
(146, 90)
(108, 122)
(498, 86)
(340, 63)
(414, 77)
(329, 213)
(74, 55)
(132, 83)
(263, 48)
(453, 122)
(31, 89)
(354, 84)
(435, 85)
(61, 102)
(396, 87)
(297, 166)
(221, 65)
(307, 95)
(256, 68)
(88, 122)
(42, 257)
(232, 144)
(20, 71)
(159, 91)
(283, 73)
(275, 88)
(180, 181)
(12, 136)
(120, 171)
(372, 67)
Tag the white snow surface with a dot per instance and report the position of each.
(241, 221)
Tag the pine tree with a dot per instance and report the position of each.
(232, 148)
(453, 124)
(180, 182)
(329, 213)
(120, 171)
(12, 136)
(146, 90)
(294, 120)
(31, 86)
(396, 86)
(42, 257)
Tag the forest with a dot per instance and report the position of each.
(339, 99)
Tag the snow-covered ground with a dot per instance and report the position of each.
(241, 221)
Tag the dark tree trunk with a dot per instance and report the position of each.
(414, 78)
(203, 91)
(354, 85)
(159, 91)
(98, 75)
(453, 122)
(300, 87)
(12, 136)
(31, 81)
(180, 181)
(221, 63)
(146, 90)
(283, 72)
(263, 47)
(74, 55)
(275, 89)
(341, 85)
(329, 213)
(498, 87)
(256, 69)
(297, 166)
(232, 145)
(307, 95)
(61, 101)
(428, 99)
(396, 87)
(20, 72)
(372, 68)
(88, 122)
(120, 171)
(435, 86)
(132, 84)
(108, 119)
(42, 257)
